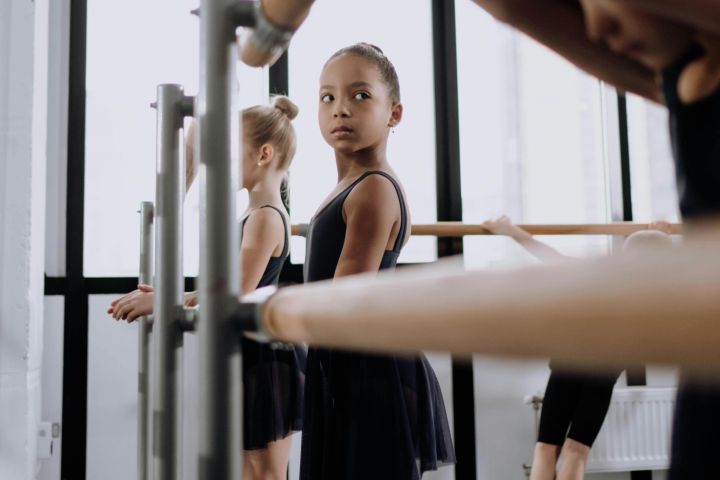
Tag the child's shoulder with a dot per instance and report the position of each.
(266, 219)
(377, 183)
(378, 192)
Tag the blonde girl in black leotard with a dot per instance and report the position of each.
(273, 377)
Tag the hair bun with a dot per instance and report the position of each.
(286, 106)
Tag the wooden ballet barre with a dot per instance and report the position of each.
(459, 229)
(657, 307)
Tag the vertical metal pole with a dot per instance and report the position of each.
(146, 257)
(167, 384)
(220, 421)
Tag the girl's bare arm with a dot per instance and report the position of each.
(540, 250)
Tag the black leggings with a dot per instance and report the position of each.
(578, 402)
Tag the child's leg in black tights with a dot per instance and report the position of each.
(592, 407)
(587, 419)
(561, 395)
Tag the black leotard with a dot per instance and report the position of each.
(367, 416)
(273, 376)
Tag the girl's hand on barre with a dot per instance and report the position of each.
(133, 305)
(504, 226)
(662, 226)
(190, 299)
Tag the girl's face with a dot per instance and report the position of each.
(649, 39)
(355, 108)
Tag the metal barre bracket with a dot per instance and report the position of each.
(187, 106)
(187, 318)
(243, 13)
(247, 314)
(268, 36)
(302, 230)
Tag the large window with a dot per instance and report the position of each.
(128, 55)
(411, 149)
(534, 146)
(652, 173)
(531, 138)
(132, 47)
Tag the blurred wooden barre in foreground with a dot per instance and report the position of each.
(459, 229)
(660, 306)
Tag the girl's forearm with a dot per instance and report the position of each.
(540, 250)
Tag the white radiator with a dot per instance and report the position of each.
(636, 432)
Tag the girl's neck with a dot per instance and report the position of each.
(265, 192)
(351, 165)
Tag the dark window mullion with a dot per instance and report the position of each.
(449, 208)
(75, 345)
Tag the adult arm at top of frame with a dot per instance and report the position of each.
(654, 307)
(559, 24)
(705, 14)
(276, 22)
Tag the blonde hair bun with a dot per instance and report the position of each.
(286, 106)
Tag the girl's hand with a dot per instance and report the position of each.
(504, 226)
(660, 225)
(133, 305)
(190, 299)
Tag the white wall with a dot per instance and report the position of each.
(112, 397)
(22, 205)
(52, 380)
(58, 44)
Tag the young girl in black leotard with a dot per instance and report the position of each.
(666, 50)
(366, 416)
(575, 403)
(273, 376)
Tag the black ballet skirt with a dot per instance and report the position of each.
(695, 136)
(367, 416)
(273, 376)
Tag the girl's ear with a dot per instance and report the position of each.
(266, 155)
(395, 115)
